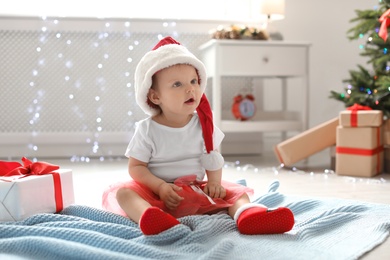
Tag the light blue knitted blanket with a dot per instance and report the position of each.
(324, 229)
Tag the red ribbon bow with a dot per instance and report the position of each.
(29, 168)
(385, 22)
(8, 169)
(354, 109)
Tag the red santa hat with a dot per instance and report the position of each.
(166, 53)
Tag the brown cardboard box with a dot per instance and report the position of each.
(386, 167)
(332, 154)
(359, 151)
(307, 143)
(386, 132)
(362, 118)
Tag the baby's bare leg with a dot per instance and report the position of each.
(151, 220)
(244, 199)
(131, 203)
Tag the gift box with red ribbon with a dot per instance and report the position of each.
(386, 159)
(360, 116)
(32, 188)
(386, 132)
(359, 142)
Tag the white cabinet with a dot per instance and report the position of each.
(261, 60)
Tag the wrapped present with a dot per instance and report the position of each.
(307, 143)
(359, 151)
(332, 154)
(386, 159)
(386, 132)
(360, 116)
(33, 188)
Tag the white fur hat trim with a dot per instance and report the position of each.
(156, 60)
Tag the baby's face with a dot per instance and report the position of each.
(177, 90)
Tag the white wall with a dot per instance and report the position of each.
(322, 23)
(325, 25)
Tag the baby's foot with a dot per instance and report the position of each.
(259, 220)
(154, 221)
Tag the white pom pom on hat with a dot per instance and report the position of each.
(166, 53)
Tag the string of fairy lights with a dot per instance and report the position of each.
(78, 90)
(75, 83)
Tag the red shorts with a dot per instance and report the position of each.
(195, 201)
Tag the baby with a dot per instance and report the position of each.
(173, 150)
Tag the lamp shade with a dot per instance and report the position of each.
(272, 9)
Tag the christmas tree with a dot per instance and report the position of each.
(370, 87)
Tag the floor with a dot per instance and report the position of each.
(312, 177)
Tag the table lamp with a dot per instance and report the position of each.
(272, 10)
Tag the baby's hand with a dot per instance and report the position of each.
(168, 194)
(215, 190)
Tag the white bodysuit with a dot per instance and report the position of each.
(171, 152)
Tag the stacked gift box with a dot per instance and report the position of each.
(386, 146)
(357, 139)
(359, 143)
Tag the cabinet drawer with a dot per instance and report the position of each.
(262, 60)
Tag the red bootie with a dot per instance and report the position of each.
(154, 221)
(259, 220)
